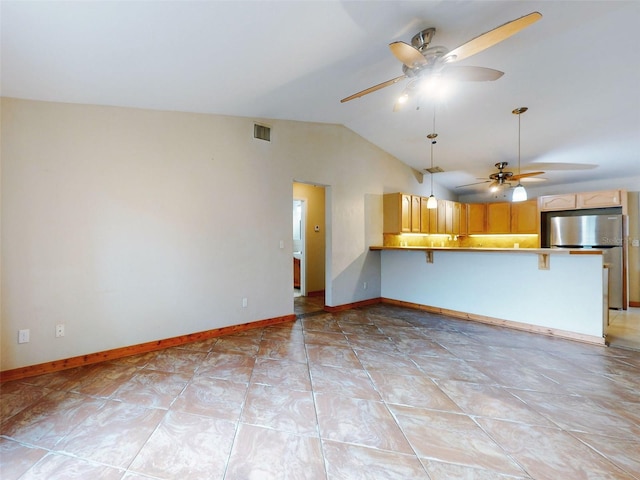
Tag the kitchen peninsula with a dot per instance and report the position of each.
(557, 292)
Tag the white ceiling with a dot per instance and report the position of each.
(577, 70)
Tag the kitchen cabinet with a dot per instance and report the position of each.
(396, 213)
(415, 214)
(525, 217)
(605, 198)
(455, 220)
(428, 217)
(499, 217)
(557, 202)
(441, 217)
(477, 218)
(464, 209)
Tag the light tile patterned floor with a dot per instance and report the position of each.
(374, 393)
(624, 328)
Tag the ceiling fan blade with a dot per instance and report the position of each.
(492, 37)
(407, 54)
(523, 175)
(471, 74)
(470, 184)
(533, 179)
(374, 88)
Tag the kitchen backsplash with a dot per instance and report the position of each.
(484, 241)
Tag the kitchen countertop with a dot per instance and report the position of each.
(555, 251)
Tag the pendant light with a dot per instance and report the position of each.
(431, 201)
(519, 193)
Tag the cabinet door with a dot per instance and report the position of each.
(477, 218)
(499, 217)
(442, 217)
(558, 202)
(455, 222)
(424, 215)
(607, 198)
(415, 214)
(525, 217)
(448, 213)
(405, 213)
(464, 209)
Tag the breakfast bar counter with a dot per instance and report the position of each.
(552, 291)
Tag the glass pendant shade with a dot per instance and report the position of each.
(432, 202)
(519, 194)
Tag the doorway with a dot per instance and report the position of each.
(309, 240)
(299, 249)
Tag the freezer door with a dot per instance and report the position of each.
(613, 258)
(586, 230)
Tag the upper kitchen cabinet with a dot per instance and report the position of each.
(583, 200)
(477, 218)
(498, 217)
(428, 217)
(415, 214)
(396, 213)
(557, 202)
(605, 198)
(524, 217)
(464, 216)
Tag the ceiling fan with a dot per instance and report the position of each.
(422, 62)
(502, 179)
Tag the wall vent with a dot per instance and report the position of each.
(261, 132)
(434, 170)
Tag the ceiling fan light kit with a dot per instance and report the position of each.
(430, 70)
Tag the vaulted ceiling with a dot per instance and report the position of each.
(577, 70)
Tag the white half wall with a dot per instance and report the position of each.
(505, 286)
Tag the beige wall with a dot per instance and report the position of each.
(314, 197)
(132, 225)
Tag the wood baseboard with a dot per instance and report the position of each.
(634, 304)
(349, 306)
(64, 364)
(527, 327)
(316, 293)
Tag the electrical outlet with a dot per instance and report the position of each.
(59, 330)
(23, 336)
(364, 285)
(245, 302)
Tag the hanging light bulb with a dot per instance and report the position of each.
(431, 201)
(519, 193)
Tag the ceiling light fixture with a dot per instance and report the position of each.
(519, 193)
(431, 201)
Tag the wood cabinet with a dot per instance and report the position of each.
(477, 219)
(525, 217)
(441, 218)
(396, 213)
(455, 218)
(415, 214)
(577, 201)
(498, 217)
(557, 202)
(605, 198)
(464, 215)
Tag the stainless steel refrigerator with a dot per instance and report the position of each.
(594, 231)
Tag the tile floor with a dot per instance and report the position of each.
(379, 392)
(624, 328)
